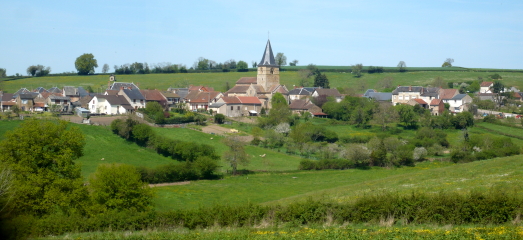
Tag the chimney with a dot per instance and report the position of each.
(121, 87)
(410, 88)
(421, 90)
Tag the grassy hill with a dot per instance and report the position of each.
(289, 78)
(102, 143)
(345, 185)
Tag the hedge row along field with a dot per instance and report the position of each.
(492, 207)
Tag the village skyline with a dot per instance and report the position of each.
(481, 34)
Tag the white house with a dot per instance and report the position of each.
(485, 87)
(109, 104)
(459, 103)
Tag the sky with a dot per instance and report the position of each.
(476, 34)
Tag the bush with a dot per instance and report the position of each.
(119, 186)
(340, 164)
(219, 118)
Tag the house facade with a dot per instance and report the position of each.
(459, 103)
(110, 105)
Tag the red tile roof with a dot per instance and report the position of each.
(486, 84)
(152, 95)
(231, 100)
(249, 100)
(420, 101)
(435, 102)
(448, 93)
(247, 80)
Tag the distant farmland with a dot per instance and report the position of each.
(340, 77)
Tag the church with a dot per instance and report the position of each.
(264, 85)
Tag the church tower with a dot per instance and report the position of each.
(268, 70)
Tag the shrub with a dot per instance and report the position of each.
(219, 118)
(340, 164)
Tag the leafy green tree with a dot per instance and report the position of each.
(293, 63)
(3, 72)
(280, 106)
(474, 87)
(321, 80)
(407, 115)
(219, 118)
(152, 108)
(498, 88)
(278, 113)
(119, 187)
(236, 154)
(242, 66)
(357, 70)
(41, 155)
(85, 64)
(280, 59)
(463, 120)
(495, 76)
(402, 66)
(31, 70)
(105, 68)
(448, 62)
(203, 63)
(438, 82)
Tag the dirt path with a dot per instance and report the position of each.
(212, 128)
(169, 184)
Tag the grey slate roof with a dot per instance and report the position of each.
(54, 90)
(182, 92)
(53, 97)
(22, 90)
(380, 96)
(28, 95)
(406, 89)
(118, 85)
(459, 97)
(134, 93)
(268, 57)
(40, 89)
(368, 92)
(299, 91)
(82, 92)
(217, 105)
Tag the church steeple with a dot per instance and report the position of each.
(268, 57)
(268, 70)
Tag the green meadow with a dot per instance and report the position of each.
(288, 78)
(273, 160)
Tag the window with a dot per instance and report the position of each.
(232, 108)
(24, 101)
(134, 100)
(238, 108)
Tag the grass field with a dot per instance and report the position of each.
(102, 143)
(273, 161)
(344, 185)
(288, 78)
(316, 232)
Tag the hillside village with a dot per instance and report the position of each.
(249, 97)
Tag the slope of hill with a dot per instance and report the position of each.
(346, 185)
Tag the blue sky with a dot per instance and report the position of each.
(379, 33)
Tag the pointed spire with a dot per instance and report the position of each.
(268, 57)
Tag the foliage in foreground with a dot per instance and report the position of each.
(491, 207)
(317, 232)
